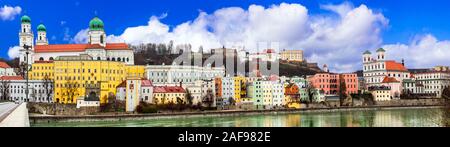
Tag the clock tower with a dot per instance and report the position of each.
(26, 37)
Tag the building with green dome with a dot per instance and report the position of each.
(96, 45)
(42, 35)
(25, 19)
(96, 24)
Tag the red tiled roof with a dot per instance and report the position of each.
(168, 89)
(269, 51)
(8, 78)
(4, 65)
(392, 65)
(390, 80)
(43, 61)
(78, 47)
(147, 83)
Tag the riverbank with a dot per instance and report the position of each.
(127, 117)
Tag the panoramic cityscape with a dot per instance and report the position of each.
(271, 64)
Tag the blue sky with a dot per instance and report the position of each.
(407, 20)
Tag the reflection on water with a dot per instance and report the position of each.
(369, 118)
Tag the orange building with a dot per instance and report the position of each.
(292, 91)
(330, 83)
(218, 83)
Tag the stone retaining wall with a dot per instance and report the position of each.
(61, 109)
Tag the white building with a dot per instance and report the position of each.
(227, 89)
(434, 81)
(381, 93)
(133, 91)
(15, 86)
(97, 47)
(200, 89)
(277, 93)
(376, 69)
(6, 70)
(173, 75)
(82, 102)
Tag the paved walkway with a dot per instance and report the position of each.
(16, 118)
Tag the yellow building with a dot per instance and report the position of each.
(292, 55)
(240, 88)
(137, 71)
(42, 70)
(169, 94)
(76, 76)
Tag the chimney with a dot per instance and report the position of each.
(403, 62)
(181, 84)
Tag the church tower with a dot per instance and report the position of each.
(26, 37)
(381, 54)
(42, 35)
(97, 33)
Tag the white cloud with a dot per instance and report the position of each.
(13, 52)
(63, 22)
(9, 12)
(423, 51)
(341, 9)
(81, 36)
(327, 39)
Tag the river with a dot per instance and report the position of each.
(406, 117)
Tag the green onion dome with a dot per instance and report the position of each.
(25, 19)
(96, 24)
(41, 28)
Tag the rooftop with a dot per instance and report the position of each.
(78, 47)
(8, 78)
(4, 65)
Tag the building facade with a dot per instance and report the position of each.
(292, 55)
(13, 88)
(434, 81)
(172, 75)
(376, 69)
(6, 70)
(330, 83)
(169, 94)
(97, 47)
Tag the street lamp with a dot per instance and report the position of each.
(26, 68)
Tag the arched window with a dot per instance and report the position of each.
(101, 39)
(51, 59)
(41, 59)
(40, 37)
(107, 59)
(128, 59)
(118, 59)
(98, 58)
(123, 59)
(113, 59)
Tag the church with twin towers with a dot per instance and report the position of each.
(40, 50)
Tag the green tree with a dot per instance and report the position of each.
(189, 98)
(342, 90)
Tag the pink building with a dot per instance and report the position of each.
(330, 82)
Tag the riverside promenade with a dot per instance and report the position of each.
(14, 115)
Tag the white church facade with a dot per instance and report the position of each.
(97, 47)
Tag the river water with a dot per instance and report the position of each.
(410, 117)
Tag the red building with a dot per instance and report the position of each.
(330, 83)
